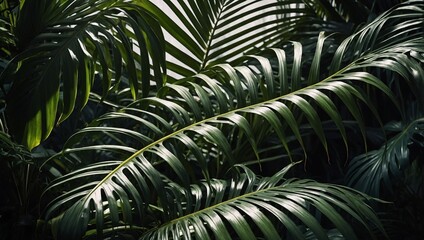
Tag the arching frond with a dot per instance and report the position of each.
(250, 207)
(385, 166)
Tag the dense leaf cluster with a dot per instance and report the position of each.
(188, 119)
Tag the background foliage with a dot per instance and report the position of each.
(211, 119)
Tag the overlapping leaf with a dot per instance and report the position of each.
(69, 43)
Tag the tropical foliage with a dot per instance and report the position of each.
(212, 119)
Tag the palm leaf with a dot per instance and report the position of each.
(205, 33)
(250, 207)
(208, 134)
(384, 166)
(271, 111)
(6, 38)
(55, 72)
(336, 10)
(385, 30)
(7, 41)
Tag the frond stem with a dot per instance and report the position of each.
(210, 39)
(111, 173)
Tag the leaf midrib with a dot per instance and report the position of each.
(211, 38)
(226, 202)
(162, 139)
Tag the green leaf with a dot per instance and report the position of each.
(260, 206)
(370, 171)
(67, 48)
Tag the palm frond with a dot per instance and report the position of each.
(250, 207)
(200, 100)
(185, 149)
(55, 72)
(340, 11)
(205, 33)
(385, 166)
(6, 39)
